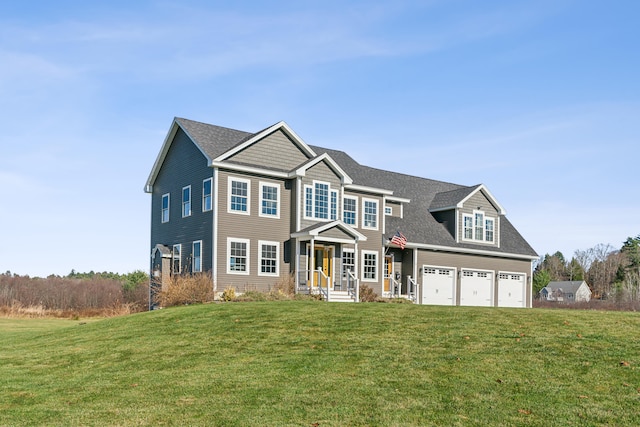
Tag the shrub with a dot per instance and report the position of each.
(229, 294)
(367, 294)
(187, 289)
(286, 285)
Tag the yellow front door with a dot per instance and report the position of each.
(323, 261)
(388, 271)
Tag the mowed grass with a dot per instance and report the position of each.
(309, 363)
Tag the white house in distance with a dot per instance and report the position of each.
(569, 291)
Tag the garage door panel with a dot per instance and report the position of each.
(511, 289)
(476, 288)
(438, 286)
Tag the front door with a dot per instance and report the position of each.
(388, 272)
(323, 261)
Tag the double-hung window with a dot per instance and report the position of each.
(239, 193)
(489, 229)
(206, 195)
(348, 263)
(269, 258)
(165, 207)
(369, 266)
(196, 257)
(269, 200)
(321, 200)
(186, 201)
(478, 227)
(350, 211)
(334, 205)
(238, 256)
(176, 259)
(370, 214)
(468, 227)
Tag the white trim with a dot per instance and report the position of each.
(326, 226)
(278, 126)
(183, 203)
(332, 206)
(193, 258)
(397, 199)
(299, 203)
(247, 242)
(470, 251)
(250, 169)
(388, 210)
(364, 252)
(344, 177)
(204, 209)
(366, 189)
(440, 267)
(356, 198)
(271, 243)
(214, 237)
(474, 229)
(162, 221)
(492, 199)
(377, 213)
(230, 180)
(304, 201)
(278, 187)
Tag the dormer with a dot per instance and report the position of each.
(470, 214)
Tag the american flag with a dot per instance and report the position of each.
(399, 239)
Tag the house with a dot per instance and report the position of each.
(568, 291)
(254, 209)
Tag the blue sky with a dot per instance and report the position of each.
(538, 100)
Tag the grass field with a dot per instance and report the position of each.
(318, 364)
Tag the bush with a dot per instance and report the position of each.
(367, 294)
(229, 294)
(188, 289)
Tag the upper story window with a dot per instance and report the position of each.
(478, 227)
(186, 201)
(350, 211)
(320, 202)
(370, 214)
(269, 200)
(239, 193)
(165, 208)
(206, 195)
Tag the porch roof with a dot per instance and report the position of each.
(321, 231)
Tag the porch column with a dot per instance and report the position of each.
(297, 264)
(356, 257)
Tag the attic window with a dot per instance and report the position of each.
(478, 227)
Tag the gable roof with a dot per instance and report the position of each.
(566, 286)
(456, 198)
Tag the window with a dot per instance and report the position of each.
(478, 227)
(196, 257)
(186, 201)
(369, 266)
(348, 262)
(165, 208)
(320, 202)
(269, 198)
(321, 199)
(176, 260)
(370, 214)
(350, 210)
(269, 256)
(206, 195)
(239, 196)
(334, 205)
(238, 250)
(388, 210)
(488, 226)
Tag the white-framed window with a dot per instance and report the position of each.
(350, 210)
(269, 200)
(196, 257)
(166, 198)
(388, 210)
(320, 201)
(239, 195)
(207, 188)
(348, 262)
(369, 266)
(186, 201)
(370, 214)
(478, 227)
(237, 256)
(269, 258)
(176, 259)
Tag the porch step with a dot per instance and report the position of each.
(340, 296)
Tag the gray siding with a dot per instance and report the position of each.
(479, 200)
(448, 220)
(274, 151)
(184, 165)
(254, 228)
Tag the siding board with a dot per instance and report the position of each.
(275, 151)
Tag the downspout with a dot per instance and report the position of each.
(214, 237)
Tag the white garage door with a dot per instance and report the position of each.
(476, 288)
(511, 290)
(438, 285)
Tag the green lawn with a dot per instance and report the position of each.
(311, 363)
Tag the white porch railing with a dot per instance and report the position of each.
(413, 289)
(353, 286)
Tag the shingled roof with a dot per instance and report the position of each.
(418, 224)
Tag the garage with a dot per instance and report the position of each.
(511, 289)
(438, 285)
(476, 288)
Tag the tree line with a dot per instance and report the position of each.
(611, 273)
